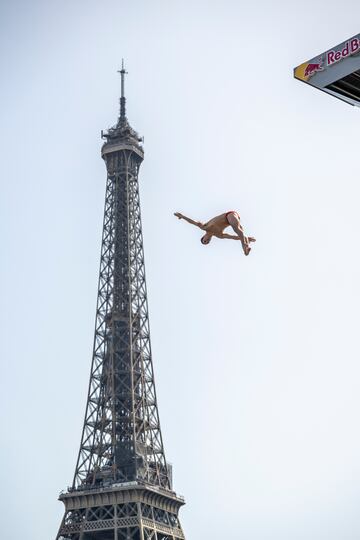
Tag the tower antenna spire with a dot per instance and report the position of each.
(122, 72)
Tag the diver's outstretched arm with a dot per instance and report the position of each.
(189, 220)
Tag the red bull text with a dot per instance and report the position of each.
(351, 47)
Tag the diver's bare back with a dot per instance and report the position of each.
(217, 224)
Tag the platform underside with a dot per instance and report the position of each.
(348, 87)
(126, 514)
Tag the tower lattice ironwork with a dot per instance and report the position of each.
(122, 486)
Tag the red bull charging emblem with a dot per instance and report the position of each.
(313, 68)
(308, 69)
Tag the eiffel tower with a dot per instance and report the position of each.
(122, 486)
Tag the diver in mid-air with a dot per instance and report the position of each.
(217, 225)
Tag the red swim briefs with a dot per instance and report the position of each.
(232, 212)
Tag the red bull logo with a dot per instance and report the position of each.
(313, 68)
(308, 69)
(326, 70)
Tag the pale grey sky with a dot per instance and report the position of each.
(256, 359)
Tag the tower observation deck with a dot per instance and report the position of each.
(122, 486)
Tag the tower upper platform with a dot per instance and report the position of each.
(122, 136)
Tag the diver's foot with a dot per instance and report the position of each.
(251, 239)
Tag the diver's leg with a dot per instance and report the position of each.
(234, 222)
